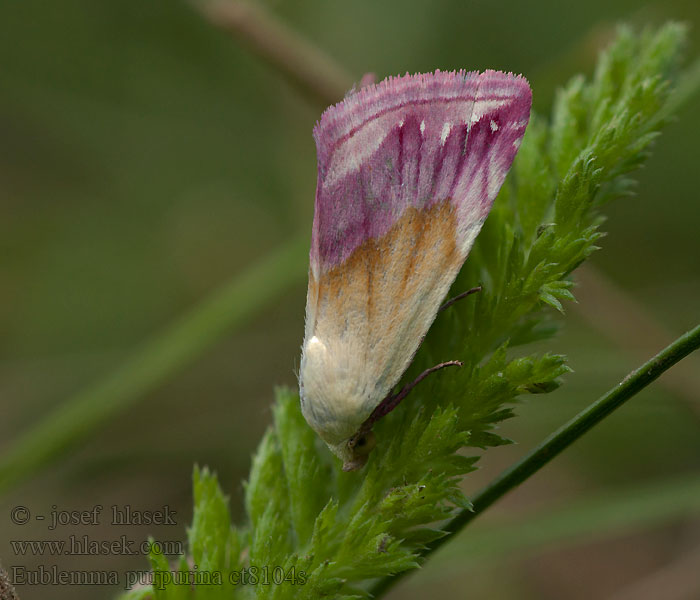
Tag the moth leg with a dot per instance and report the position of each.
(451, 301)
(393, 400)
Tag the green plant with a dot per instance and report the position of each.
(327, 533)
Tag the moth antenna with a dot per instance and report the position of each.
(451, 301)
(393, 400)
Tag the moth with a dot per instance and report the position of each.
(408, 170)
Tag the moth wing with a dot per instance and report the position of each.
(408, 171)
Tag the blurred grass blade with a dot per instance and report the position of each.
(155, 362)
(602, 515)
(620, 317)
(306, 66)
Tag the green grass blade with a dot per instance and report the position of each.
(600, 515)
(156, 361)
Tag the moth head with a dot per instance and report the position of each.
(355, 450)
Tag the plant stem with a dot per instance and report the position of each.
(157, 360)
(558, 441)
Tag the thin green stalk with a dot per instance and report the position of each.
(558, 441)
(259, 285)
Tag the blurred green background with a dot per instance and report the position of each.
(147, 158)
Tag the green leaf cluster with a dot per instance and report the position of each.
(330, 533)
